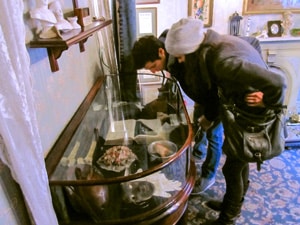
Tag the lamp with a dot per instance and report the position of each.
(235, 24)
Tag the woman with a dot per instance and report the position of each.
(217, 62)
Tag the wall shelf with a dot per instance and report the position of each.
(55, 46)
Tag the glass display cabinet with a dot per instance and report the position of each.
(120, 162)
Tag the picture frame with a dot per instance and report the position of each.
(146, 19)
(274, 28)
(270, 7)
(141, 2)
(201, 9)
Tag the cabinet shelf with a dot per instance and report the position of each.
(55, 46)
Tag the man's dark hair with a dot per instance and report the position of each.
(146, 49)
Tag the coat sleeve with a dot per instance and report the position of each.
(212, 110)
(239, 77)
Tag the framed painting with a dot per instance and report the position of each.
(140, 2)
(201, 9)
(146, 19)
(270, 6)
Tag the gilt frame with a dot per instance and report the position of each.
(270, 6)
(141, 2)
(203, 12)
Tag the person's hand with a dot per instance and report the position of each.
(255, 99)
(204, 123)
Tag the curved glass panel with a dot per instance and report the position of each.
(127, 158)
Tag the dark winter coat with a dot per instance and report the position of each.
(231, 64)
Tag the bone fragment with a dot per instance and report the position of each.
(89, 157)
(70, 160)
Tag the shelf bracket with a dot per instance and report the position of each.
(81, 45)
(53, 55)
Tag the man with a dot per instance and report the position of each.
(233, 66)
(149, 53)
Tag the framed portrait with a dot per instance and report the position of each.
(146, 19)
(270, 6)
(140, 2)
(201, 9)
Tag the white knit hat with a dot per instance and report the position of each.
(184, 37)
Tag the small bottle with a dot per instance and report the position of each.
(247, 33)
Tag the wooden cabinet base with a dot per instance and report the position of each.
(174, 213)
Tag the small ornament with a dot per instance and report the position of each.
(287, 22)
(73, 21)
(235, 24)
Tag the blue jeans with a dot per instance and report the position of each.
(200, 145)
(214, 138)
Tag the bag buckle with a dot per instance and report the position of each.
(259, 161)
(251, 129)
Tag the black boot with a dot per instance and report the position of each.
(229, 213)
(214, 205)
(217, 205)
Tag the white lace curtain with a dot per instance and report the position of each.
(20, 147)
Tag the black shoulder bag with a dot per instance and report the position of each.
(251, 137)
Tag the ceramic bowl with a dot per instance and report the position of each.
(162, 150)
